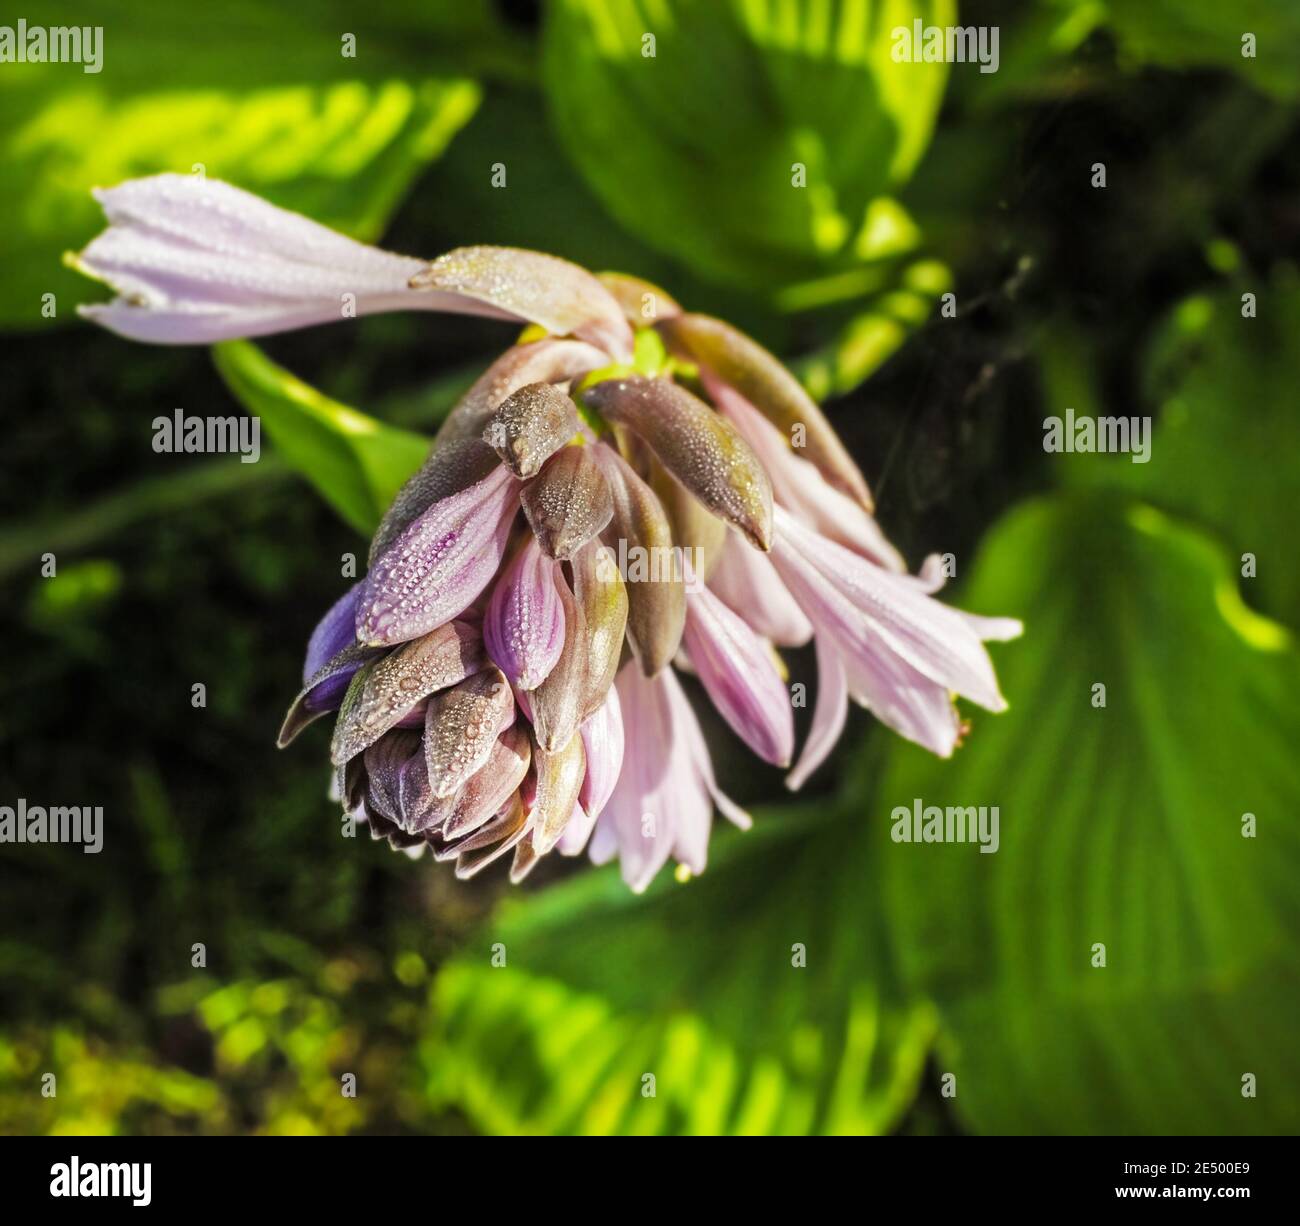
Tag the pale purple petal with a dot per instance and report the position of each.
(893, 614)
(335, 631)
(636, 824)
(663, 802)
(323, 691)
(748, 585)
(735, 667)
(333, 658)
(698, 753)
(439, 563)
(524, 624)
(576, 832)
(909, 702)
(196, 260)
(905, 700)
(931, 579)
(829, 715)
(994, 629)
(603, 738)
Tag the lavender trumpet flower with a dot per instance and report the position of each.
(505, 677)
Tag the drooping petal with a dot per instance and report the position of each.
(462, 727)
(602, 738)
(749, 586)
(641, 537)
(529, 426)
(523, 627)
(439, 563)
(636, 825)
(576, 832)
(568, 503)
(559, 779)
(544, 361)
(692, 842)
(196, 260)
(758, 376)
(511, 283)
(931, 578)
(333, 657)
(894, 615)
(799, 486)
(382, 693)
(909, 701)
(663, 802)
(905, 699)
(699, 447)
(829, 715)
(735, 667)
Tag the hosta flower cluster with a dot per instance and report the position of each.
(628, 492)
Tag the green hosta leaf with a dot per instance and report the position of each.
(1225, 448)
(694, 985)
(356, 462)
(694, 148)
(1120, 826)
(270, 104)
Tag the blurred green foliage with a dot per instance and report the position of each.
(326, 956)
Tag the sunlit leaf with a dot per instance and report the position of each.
(746, 139)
